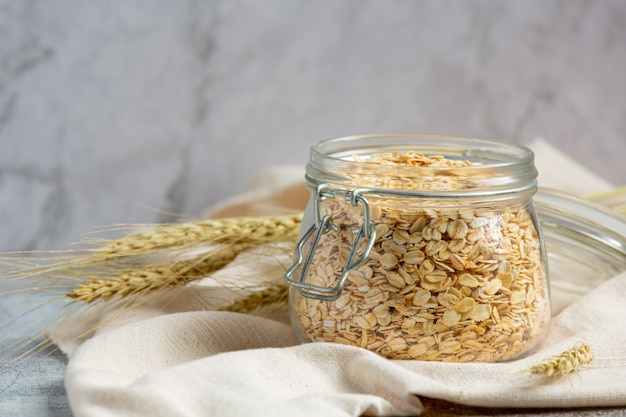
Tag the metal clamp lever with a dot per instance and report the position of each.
(321, 226)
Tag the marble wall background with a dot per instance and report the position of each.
(110, 106)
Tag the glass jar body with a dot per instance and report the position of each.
(417, 274)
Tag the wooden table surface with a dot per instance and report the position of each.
(438, 408)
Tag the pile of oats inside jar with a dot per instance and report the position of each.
(444, 281)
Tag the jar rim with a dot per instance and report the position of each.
(496, 167)
(334, 147)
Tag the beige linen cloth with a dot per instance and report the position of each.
(175, 359)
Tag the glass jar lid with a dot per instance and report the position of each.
(585, 241)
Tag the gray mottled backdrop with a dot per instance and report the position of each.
(110, 106)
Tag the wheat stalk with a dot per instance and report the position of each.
(274, 293)
(234, 234)
(153, 277)
(173, 238)
(121, 267)
(253, 231)
(571, 360)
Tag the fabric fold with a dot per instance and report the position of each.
(182, 359)
(231, 363)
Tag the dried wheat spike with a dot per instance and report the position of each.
(572, 360)
(272, 294)
(153, 277)
(248, 230)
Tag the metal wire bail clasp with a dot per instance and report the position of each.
(321, 226)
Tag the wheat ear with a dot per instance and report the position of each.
(571, 360)
(274, 293)
(172, 239)
(234, 234)
(153, 277)
(247, 230)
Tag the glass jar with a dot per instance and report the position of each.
(421, 247)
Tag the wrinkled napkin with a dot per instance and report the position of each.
(181, 358)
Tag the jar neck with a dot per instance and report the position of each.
(495, 169)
